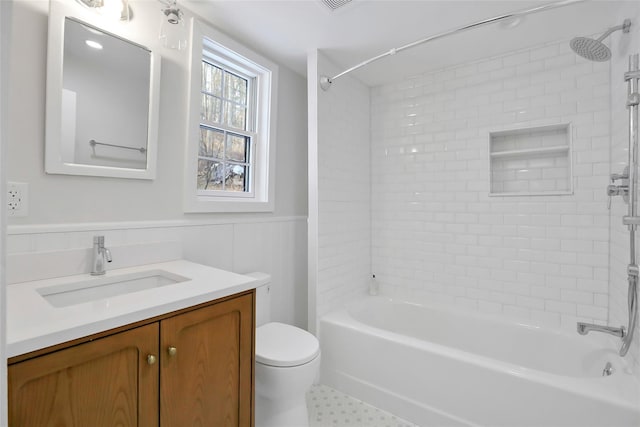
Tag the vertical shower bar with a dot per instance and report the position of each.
(632, 87)
(632, 104)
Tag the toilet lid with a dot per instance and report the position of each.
(283, 345)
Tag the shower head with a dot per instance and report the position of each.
(594, 49)
(591, 49)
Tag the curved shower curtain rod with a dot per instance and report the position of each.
(325, 81)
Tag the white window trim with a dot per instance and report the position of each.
(264, 150)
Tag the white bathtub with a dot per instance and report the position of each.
(440, 367)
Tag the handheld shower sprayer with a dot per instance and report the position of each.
(594, 49)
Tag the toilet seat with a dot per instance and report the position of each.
(281, 345)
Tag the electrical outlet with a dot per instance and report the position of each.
(17, 199)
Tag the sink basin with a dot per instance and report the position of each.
(104, 287)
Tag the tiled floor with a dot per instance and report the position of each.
(331, 408)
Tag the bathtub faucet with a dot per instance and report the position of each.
(585, 328)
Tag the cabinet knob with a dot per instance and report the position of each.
(172, 351)
(151, 359)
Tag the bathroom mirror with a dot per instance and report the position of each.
(102, 100)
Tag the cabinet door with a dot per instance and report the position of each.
(107, 382)
(206, 370)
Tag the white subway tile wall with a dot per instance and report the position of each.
(438, 235)
(344, 201)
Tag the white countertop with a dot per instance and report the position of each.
(33, 323)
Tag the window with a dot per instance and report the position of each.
(224, 154)
(231, 144)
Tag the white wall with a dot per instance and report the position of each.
(313, 90)
(65, 211)
(340, 190)
(437, 235)
(5, 38)
(68, 199)
(622, 45)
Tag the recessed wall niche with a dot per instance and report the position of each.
(532, 161)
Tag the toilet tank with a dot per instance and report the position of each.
(263, 297)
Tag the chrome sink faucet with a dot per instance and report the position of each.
(585, 328)
(100, 255)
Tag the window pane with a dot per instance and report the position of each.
(235, 115)
(235, 178)
(211, 143)
(224, 157)
(235, 88)
(237, 147)
(211, 79)
(209, 175)
(210, 109)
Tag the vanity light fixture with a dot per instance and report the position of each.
(173, 31)
(110, 9)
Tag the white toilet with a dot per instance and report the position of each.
(287, 363)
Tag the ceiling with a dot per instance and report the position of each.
(285, 30)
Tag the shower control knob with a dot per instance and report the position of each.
(617, 190)
(617, 176)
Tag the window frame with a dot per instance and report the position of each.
(212, 46)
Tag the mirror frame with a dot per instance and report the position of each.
(54, 164)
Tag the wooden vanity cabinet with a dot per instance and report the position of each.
(103, 383)
(189, 368)
(206, 370)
